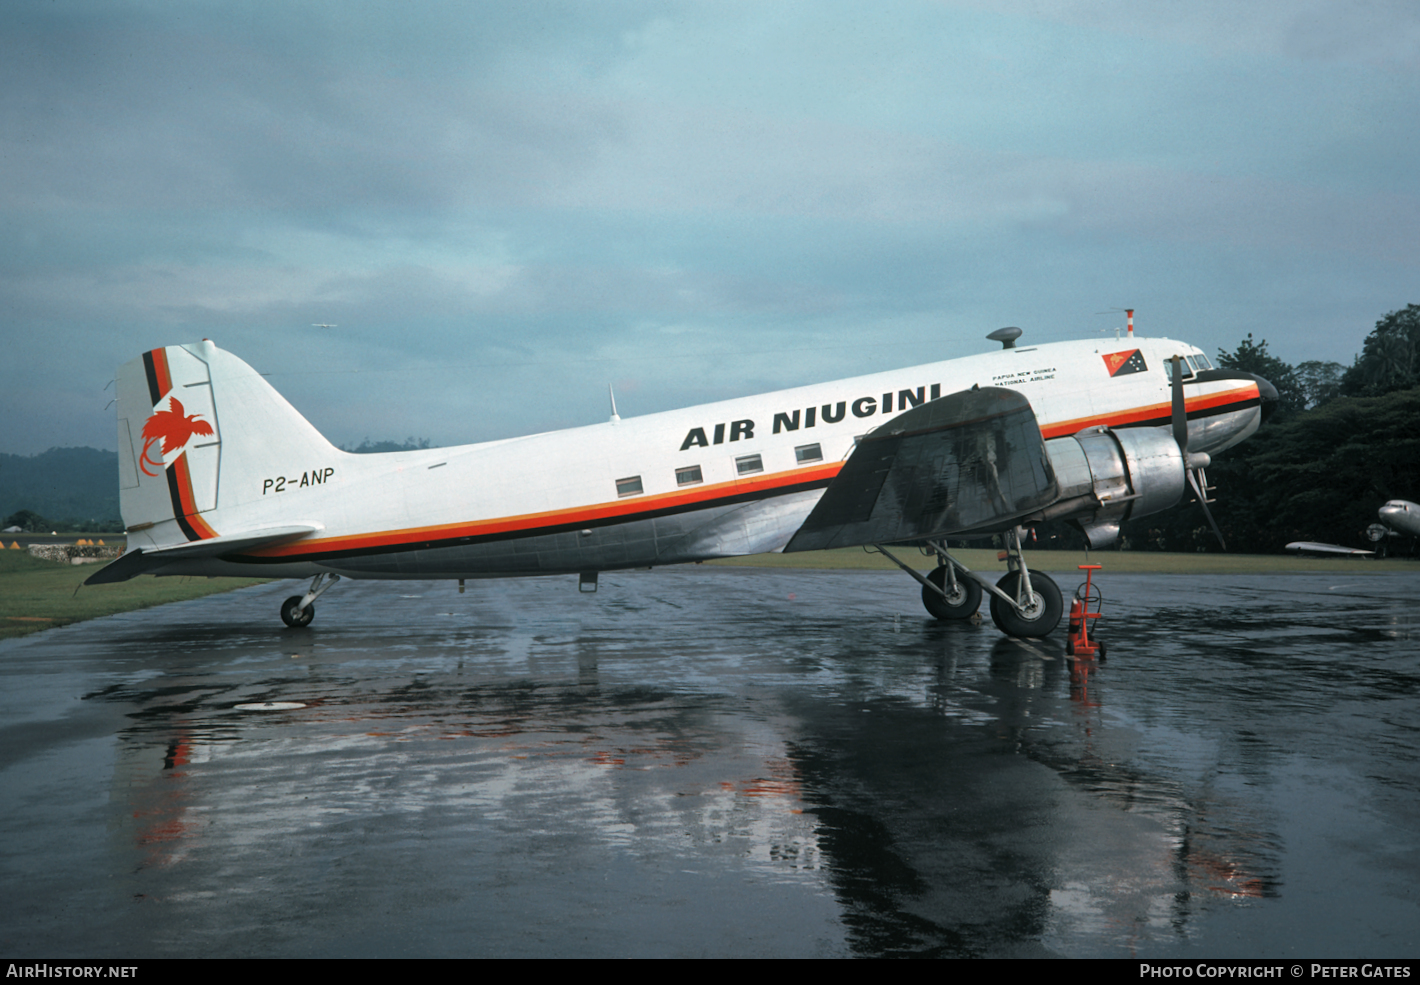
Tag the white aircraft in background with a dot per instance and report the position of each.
(219, 475)
(1398, 518)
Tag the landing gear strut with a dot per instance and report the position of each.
(299, 610)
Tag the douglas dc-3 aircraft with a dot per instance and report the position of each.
(219, 475)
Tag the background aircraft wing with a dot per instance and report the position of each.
(1311, 547)
(971, 461)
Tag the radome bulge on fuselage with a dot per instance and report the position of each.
(263, 492)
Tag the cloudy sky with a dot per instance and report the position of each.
(503, 207)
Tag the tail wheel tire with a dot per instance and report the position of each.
(1042, 610)
(959, 602)
(294, 616)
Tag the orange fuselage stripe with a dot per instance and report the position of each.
(655, 503)
(578, 514)
(1150, 412)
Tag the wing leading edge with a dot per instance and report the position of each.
(973, 460)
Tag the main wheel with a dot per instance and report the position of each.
(294, 616)
(958, 603)
(1042, 610)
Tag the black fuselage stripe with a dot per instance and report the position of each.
(1194, 415)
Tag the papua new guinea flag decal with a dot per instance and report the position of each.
(1126, 362)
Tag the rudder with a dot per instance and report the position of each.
(196, 427)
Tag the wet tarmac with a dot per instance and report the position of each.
(718, 762)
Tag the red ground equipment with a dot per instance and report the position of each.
(1084, 607)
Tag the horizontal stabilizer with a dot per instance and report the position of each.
(970, 461)
(136, 562)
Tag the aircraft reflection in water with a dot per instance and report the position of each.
(894, 802)
(219, 475)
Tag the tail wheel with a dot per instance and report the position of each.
(1042, 610)
(959, 602)
(294, 616)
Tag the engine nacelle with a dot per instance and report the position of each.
(1107, 477)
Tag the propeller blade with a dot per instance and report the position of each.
(1180, 416)
(1203, 502)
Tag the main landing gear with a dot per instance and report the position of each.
(299, 610)
(1023, 603)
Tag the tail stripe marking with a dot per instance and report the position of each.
(184, 504)
(160, 383)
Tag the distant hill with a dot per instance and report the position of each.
(62, 484)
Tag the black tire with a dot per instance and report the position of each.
(1044, 612)
(294, 616)
(960, 605)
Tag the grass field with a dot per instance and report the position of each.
(36, 595)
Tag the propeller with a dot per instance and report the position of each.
(1193, 462)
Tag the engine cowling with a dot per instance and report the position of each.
(1107, 477)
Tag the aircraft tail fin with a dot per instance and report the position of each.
(199, 432)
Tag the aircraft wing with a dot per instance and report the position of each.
(1311, 547)
(135, 562)
(973, 460)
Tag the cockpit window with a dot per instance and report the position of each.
(1203, 362)
(1186, 364)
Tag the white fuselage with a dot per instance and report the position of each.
(733, 477)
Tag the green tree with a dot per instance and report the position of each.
(1254, 358)
(1320, 381)
(368, 447)
(1390, 356)
(29, 521)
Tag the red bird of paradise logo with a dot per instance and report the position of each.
(174, 429)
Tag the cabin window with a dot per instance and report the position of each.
(688, 476)
(629, 487)
(808, 453)
(749, 464)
